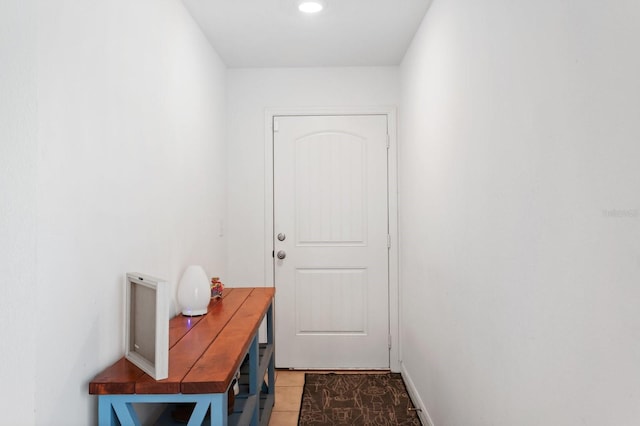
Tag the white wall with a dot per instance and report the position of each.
(18, 200)
(249, 93)
(520, 222)
(131, 177)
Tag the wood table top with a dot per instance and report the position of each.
(204, 352)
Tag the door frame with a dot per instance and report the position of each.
(392, 194)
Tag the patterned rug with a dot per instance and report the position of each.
(356, 399)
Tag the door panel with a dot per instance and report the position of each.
(330, 189)
(330, 204)
(343, 312)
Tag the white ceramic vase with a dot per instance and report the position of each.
(194, 291)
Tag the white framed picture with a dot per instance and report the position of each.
(147, 324)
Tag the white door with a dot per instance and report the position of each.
(331, 228)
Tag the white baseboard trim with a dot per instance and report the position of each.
(423, 414)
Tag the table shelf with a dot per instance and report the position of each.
(264, 390)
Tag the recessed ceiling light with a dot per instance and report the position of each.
(309, 6)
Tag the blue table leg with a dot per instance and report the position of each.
(106, 416)
(255, 381)
(218, 402)
(271, 340)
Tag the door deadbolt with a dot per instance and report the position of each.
(281, 254)
(281, 237)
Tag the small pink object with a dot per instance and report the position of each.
(216, 287)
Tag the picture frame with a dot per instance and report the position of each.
(147, 324)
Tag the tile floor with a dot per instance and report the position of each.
(288, 397)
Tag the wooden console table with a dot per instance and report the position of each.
(204, 354)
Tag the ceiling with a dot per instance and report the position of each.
(273, 33)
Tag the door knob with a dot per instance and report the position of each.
(281, 254)
(281, 237)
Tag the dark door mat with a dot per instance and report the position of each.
(356, 399)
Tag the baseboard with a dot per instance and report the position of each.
(423, 414)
